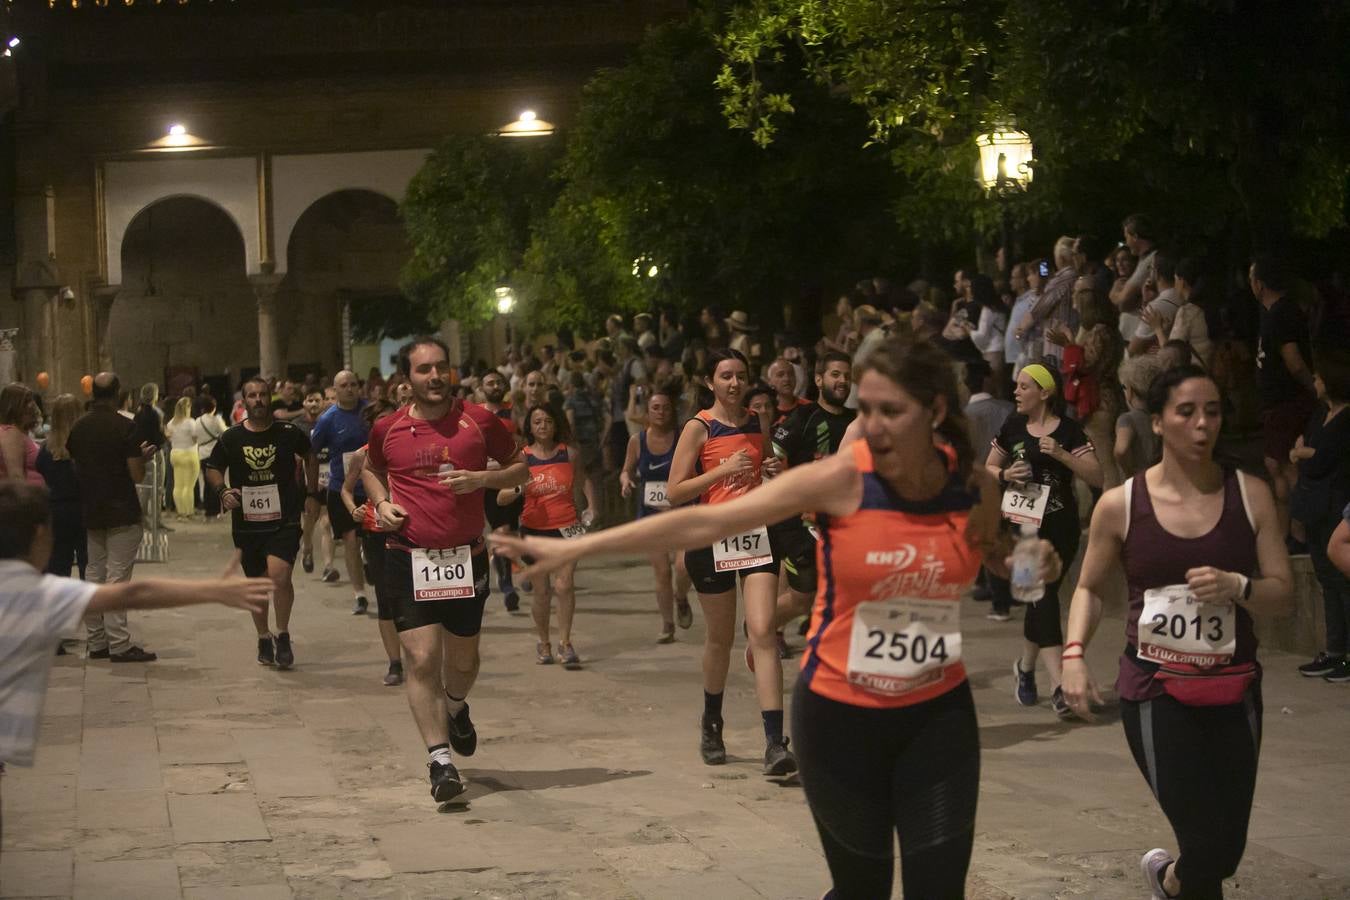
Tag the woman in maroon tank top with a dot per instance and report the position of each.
(1202, 552)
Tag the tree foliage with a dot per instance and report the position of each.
(470, 213)
(1207, 110)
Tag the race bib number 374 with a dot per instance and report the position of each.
(1026, 505)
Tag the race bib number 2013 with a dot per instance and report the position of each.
(1176, 628)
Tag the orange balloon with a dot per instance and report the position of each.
(87, 384)
(44, 381)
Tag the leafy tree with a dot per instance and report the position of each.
(1206, 110)
(469, 213)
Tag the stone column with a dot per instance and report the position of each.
(101, 304)
(270, 362)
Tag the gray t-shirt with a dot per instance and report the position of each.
(1143, 442)
(1164, 305)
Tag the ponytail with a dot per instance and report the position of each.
(956, 433)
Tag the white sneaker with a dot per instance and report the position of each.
(1154, 866)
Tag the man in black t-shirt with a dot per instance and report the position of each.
(263, 459)
(804, 435)
(1284, 375)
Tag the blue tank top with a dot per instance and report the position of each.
(651, 467)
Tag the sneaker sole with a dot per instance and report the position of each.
(1154, 889)
(785, 766)
(1343, 680)
(447, 791)
(1319, 673)
(715, 759)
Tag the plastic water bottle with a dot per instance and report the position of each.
(1027, 584)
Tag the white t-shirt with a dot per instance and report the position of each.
(182, 434)
(1190, 326)
(36, 611)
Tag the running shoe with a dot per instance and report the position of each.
(512, 601)
(1295, 547)
(684, 615)
(805, 627)
(307, 562)
(1154, 866)
(360, 606)
(394, 677)
(330, 576)
(445, 782)
(1340, 674)
(285, 656)
(98, 654)
(667, 635)
(567, 655)
(778, 759)
(463, 736)
(1025, 690)
(543, 653)
(711, 746)
(1323, 664)
(995, 615)
(1061, 706)
(266, 655)
(132, 654)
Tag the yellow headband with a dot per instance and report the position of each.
(1041, 375)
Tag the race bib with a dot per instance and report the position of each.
(1026, 505)
(442, 574)
(743, 551)
(573, 531)
(903, 644)
(654, 495)
(1176, 628)
(261, 503)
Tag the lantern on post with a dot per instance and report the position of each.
(1006, 158)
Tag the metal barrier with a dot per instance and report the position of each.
(154, 538)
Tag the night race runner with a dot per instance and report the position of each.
(263, 460)
(807, 434)
(425, 472)
(342, 430)
(1035, 456)
(719, 456)
(494, 388)
(645, 476)
(882, 713)
(550, 510)
(372, 543)
(1202, 551)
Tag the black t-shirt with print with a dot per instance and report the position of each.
(267, 466)
(1284, 323)
(1018, 443)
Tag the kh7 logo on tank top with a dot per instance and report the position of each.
(739, 482)
(906, 580)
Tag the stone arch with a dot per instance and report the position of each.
(185, 301)
(131, 188)
(300, 181)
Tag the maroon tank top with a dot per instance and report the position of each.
(1156, 558)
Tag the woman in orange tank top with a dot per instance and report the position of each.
(882, 713)
(551, 511)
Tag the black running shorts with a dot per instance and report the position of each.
(256, 546)
(461, 617)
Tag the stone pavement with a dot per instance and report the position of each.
(204, 776)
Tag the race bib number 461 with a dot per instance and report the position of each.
(261, 503)
(743, 551)
(903, 644)
(1176, 628)
(442, 574)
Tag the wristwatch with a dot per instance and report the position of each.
(1246, 588)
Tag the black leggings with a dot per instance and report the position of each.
(1041, 623)
(872, 773)
(372, 545)
(1200, 762)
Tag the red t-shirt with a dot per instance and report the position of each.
(415, 454)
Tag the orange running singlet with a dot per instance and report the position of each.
(885, 630)
(723, 441)
(548, 494)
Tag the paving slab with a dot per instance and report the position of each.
(140, 879)
(216, 818)
(36, 873)
(101, 810)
